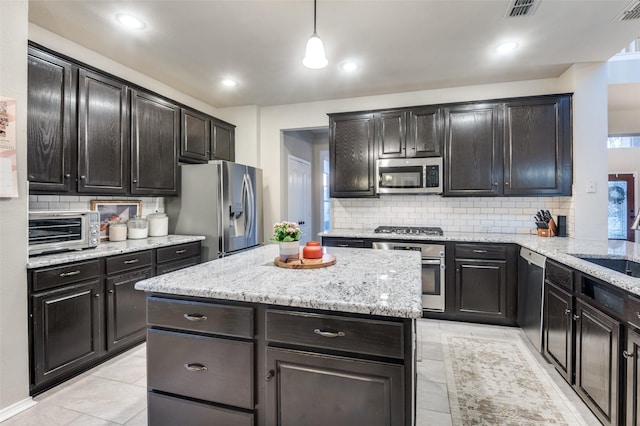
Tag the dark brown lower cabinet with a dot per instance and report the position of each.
(316, 390)
(632, 358)
(481, 287)
(66, 327)
(557, 329)
(597, 351)
(126, 309)
(165, 410)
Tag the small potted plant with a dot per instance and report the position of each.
(287, 235)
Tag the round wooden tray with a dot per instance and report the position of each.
(326, 260)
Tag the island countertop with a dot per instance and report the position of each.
(374, 282)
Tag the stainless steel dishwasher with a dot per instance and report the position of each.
(530, 295)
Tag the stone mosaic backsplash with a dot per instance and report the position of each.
(503, 215)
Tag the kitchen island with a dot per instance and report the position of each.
(243, 342)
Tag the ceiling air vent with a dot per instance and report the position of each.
(632, 11)
(522, 8)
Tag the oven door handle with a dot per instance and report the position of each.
(431, 261)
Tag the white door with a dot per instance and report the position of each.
(300, 196)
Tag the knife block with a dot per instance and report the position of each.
(550, 232)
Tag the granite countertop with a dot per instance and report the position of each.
(108, 248)
(375, 282)
(560, 249)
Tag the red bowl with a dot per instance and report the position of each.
(313, 250)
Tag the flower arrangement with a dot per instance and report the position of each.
(286, 231)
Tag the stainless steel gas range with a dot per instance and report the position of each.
(433, 260)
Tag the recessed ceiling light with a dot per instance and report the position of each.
(506, 47)
(229, 83)
(130, 21)
(349, 66)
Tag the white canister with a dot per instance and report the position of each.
(117, 231)
(158, 224)
(137, 228)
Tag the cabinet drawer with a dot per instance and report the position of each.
(476, 251)
(126, 262)
(633, 311)
(343, 242)
(559, 275)
(165, 268)
(62, 275)
(202, 317)
(206, 368)
(168, 410)
(373, 337)
(181, 251)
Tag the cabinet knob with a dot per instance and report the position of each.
(111, 291)
(576, 317)
(83, 177)
(627, 354)
(567, 311)
(97, 295)
(495, 183)
(31, 177)
(270, 375)
(135, 181)
(67, 175)
(506, 184)
(638, 315)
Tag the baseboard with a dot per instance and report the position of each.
(16, 408)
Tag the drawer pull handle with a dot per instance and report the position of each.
(195, 367)
(181, 251)
(479, 251)
(343, 245)
(627, 354)
(129, 262)
(69, 274)
(195, 317)
(329, 333)
(567, 311)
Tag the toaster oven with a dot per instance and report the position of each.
(55, 231)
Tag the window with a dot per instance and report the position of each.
(623, 141)
(326, 199)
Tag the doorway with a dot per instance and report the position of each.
(299, 204)
(622, 209)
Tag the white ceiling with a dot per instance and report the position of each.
(401, 45)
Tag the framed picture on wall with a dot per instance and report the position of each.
(115, 211)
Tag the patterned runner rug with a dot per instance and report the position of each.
(498, 382)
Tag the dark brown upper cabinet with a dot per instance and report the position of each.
(51, 123)
(222, 140)
(352, 155)
(472, 156)
(537, 146)
(103, 134)
(155, 132)
(195, 137)
(409, 133)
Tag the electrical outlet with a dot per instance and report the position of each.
(591, 186)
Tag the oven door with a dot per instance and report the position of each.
(433, 285)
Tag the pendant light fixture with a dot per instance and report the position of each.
(314, 56)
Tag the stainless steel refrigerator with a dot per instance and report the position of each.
(222, 201)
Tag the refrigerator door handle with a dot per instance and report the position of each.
(250, 206)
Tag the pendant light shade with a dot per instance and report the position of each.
(314, 57)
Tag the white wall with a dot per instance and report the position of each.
(247, 121)
(624, 121)
(14, 368)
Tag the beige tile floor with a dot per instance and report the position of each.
(114, 393)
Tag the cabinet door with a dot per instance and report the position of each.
(223, 141)
(481, 288)
(51, 119)
(472, 150)
(351, 156)
(103, 135)
(195, 139)
(341, 391)
(537, 147)
(126, 309)
(632, 357)
(597, 368)
(557, 329)
(390, 128)
(66, 329)
(154, 155)
(424, 134)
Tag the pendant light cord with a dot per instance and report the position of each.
(314, 17)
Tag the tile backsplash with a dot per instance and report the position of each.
(504, 215)
(83, 202)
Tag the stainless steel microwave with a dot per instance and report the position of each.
(409, 176)
(54, 231)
